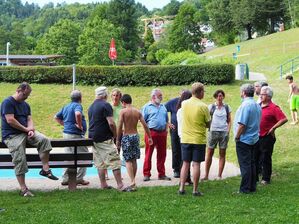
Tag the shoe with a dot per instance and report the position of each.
(264, 183)
(204, 179)
(2, 210)
(294, 122)
(108, 187)
(176, 174)
(125, 189)
(218, 178)
(48, 174)
(197, 194)
(26, 193)
(164, 178)
(146, 178)
(82, 182)
(181, 192)
(64, 183)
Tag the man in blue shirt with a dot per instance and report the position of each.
(246, 131)
(72, 119)
(18, 130)
(155, 115)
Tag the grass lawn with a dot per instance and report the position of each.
(276, 203)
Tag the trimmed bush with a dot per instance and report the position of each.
(177, 58)
(122, 75)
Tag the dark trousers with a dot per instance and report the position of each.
(246, 159)
(176, 150)
(264, 157)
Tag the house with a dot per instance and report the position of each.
(29, 60)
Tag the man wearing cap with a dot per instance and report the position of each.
(72, 119)
(155, 115)
(102, 130)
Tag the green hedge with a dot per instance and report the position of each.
(122, 75)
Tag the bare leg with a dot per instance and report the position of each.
(44, 157)
(21, 181)
(196, 175)
(184, 173)
(106, 174)
(130, 169)
(208, 162)
(101, 173)
(117, 176)
(222, 153)
(134, 163)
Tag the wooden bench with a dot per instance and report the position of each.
(57, 160)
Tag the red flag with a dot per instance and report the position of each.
(112, 50)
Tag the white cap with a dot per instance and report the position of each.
(101, 91)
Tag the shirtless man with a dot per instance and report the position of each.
(293, 99)
(128, 138)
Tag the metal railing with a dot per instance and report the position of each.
(289, 66)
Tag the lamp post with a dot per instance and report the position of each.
(7, 53)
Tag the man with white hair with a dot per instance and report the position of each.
(257, 89)
(156, 118)
(102, 130)
(72, 119)
(246, 132)
(272, 118)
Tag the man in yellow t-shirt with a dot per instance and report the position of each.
(195, 121)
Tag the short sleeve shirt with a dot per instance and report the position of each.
(99, 129)
(155, 116)
(21, 111)
(171, 107)
(248, 114)
(195, 116)
(271, 114)
(67, 114)
(219, 120)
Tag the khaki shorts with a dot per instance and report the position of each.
(218, 137)
(105, 155)
(17, 148)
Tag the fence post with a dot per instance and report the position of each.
(74, 76)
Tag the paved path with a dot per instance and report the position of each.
(47, 185)
(255, 76)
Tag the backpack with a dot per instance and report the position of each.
(213, 108)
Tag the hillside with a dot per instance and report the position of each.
(263, 54)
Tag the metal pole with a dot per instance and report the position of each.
(7, 53)
(74, 76)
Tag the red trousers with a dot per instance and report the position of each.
(159, 141)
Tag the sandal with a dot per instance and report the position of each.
(108, 187)
(26, 193)
(48, 174)
(197, 194)
(125, 189)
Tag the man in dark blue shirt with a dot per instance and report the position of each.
(102, 130)
(17, 130)
(72, 119)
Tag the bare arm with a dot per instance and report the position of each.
(59, 121)
(112, 125)
(277, 125)
(291, 91)
(78, 117)
(120, 128)
(240, 130)
(229, 122)
(146, 129)
(10, 118)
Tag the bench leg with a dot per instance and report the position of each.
(72, 173)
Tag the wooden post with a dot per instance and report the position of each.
(72, 173)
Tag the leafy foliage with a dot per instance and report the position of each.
(177, 58)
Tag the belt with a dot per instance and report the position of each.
(157, 130)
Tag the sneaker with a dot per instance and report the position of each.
(264, 183)
(26, 193)
(294, 122)
(176, 174)
(197, 194)
(164, 178)
(82, 182)
(181, 192)
(146, 178)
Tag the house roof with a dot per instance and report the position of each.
(30, 57)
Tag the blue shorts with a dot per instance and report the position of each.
(193, 152)
(130, 147)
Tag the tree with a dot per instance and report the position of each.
(185, 31)
(95, 40)
(172, 8)
(148, 39)
(62, 38)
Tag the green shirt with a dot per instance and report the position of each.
(116, 110)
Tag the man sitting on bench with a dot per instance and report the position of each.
(18, 130)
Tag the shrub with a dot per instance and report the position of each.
(177, 58)
(122, 75)
(161, 54)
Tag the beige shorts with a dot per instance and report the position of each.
(17, 147)
(105, 155)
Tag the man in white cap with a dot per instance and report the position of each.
(102, 130)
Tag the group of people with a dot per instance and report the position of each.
(113, 127)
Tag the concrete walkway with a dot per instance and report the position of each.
(255, 76)
(45, 184)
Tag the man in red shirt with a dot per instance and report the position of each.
(272, 118)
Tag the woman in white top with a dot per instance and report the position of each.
(219, 132)
(186, 94)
